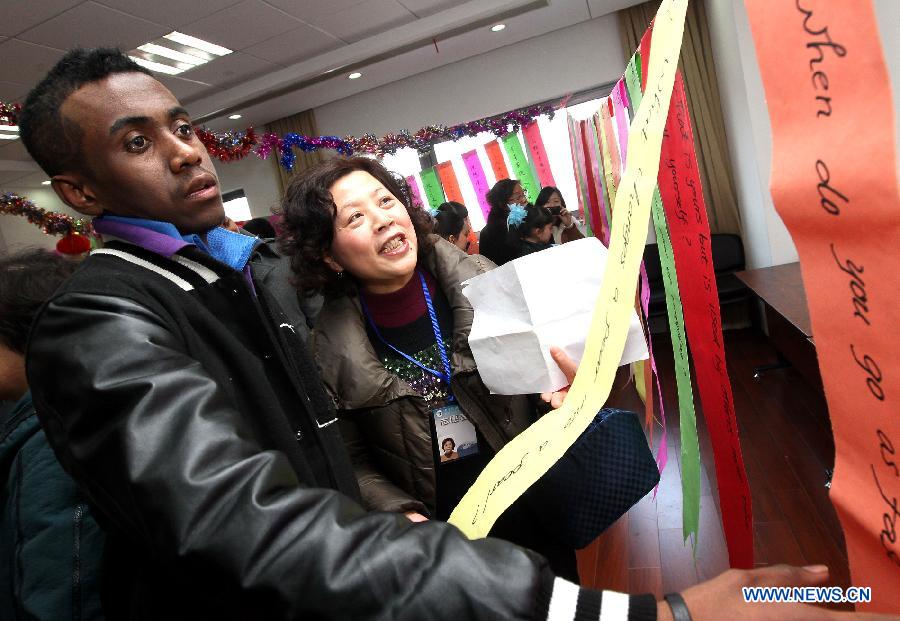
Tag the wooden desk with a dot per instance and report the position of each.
(780, 288)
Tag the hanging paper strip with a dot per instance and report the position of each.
(478, 179)
(578, 165)
(828, 91)
(521, 167)
(414, 189)
(604, 167)
(535, 142)
(432, 186)
(449, 182)
(633, 82)
(495, 156)
(606, 202)
(620, 113)
(682, 195)
(593, 186)
(650, 371)
(690, 447)
(612, 144)
(528, 456)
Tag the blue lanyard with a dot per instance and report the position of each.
(434, 326)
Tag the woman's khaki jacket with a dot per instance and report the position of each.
(385, 424)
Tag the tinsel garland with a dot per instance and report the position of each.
(50, 222)
(227, 146)
(9, 113)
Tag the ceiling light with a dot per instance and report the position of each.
(159, 50)
(355, 75)
(157, 67)
(199, 44)
(234, 117)
(176, 53)
(497, 27)
(47, 182)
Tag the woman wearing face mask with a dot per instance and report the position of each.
(494, 238)
(564, 229)
(392, 347)
(531, 228)
(452, 223)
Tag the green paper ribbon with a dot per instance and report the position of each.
(520, 165)
(434, 192)
(633, 82)
(690, 447)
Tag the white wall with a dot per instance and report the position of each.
(568, 60)
(766, 239)
(258, 179)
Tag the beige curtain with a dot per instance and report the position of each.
(702, 87)
(301, 123)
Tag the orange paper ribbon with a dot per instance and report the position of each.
(834, 183)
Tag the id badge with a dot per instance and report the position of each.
(455, 433)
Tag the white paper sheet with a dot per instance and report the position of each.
(542, 299)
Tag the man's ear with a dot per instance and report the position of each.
(330, 262)
(75, 192)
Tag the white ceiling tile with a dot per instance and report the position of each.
(19, 15)
(93, 25)
(172, 13)
(599, 8)
(294, 46)
(242, 25)
(183, 89)
(366, 19)
(424, 8)
(229, 69)
(25, 62)
(311, 10)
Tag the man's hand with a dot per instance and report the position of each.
(569, 368)
(412, 516)
(722, 598)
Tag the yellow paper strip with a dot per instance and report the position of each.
(524, 460)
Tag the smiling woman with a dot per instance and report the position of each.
(392, 346)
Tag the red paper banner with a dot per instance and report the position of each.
(449, 181)
(834, 182)
(592, 185)
(538, 152)
(682, 195)
(495, 156)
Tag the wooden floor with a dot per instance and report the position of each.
(787, 446)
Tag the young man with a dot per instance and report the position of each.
(209, 454)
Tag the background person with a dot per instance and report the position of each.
(50, 545)
(565, 228)
(494, 240)
(530, 229)
(452, 223)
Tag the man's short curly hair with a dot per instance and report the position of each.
(307, 224)
(53, 141)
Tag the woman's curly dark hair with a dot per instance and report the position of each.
(307, 223)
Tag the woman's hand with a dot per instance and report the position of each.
(566, 218)
(569, 368)
(412, 516)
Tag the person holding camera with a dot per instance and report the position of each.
(564, 227)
